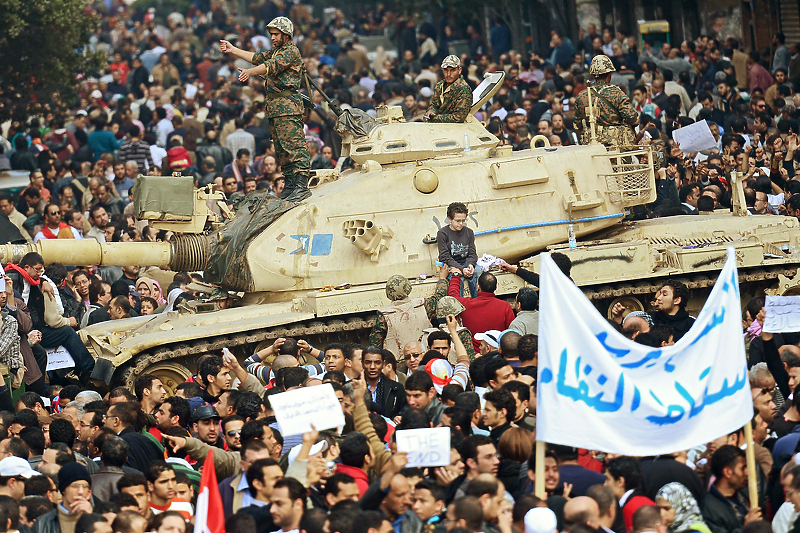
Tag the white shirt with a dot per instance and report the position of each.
(784, 518)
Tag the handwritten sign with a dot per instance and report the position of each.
(783, 314)
(694, 137)
(425, 447)
(296, 410)
(2, 279)
(602, 391)
(59, 358)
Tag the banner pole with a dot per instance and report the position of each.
(750, 455)
(538, 484)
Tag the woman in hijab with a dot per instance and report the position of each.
(171, 297)
(150, 288)
(679, 509)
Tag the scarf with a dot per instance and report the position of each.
(23, 273)
(687, 512)
(155, 290)
(49, 234)
(171, 297)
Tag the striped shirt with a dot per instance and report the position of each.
(176, 504)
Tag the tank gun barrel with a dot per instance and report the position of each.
(182, 253)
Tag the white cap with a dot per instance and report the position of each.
(96, 94)
(426, 92)
(492, 337)
(321, 446)
(540, 520)
(16, 466)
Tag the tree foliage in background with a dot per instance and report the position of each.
(42, 53)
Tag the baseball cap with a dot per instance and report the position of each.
(81, 113)
(16, 467)
(205, 412)
(492, 337)
(540, 520)
(96, 94)
(321, 446)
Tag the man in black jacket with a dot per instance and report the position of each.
(724, 508)
(388, 397)
(671, 300)
(142, 451)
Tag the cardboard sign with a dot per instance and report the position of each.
(783, 314)
(296, 410)
(694, 137)
(425, 447)
(59, 358)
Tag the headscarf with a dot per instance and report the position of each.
(687, 513)
(171, 297)
(155, 290)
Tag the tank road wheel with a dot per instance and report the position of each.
(631, 303)
(171, 374)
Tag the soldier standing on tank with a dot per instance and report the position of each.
(283, 68)
(452, 97)
(612, 110)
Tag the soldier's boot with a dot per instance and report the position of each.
(296, 189)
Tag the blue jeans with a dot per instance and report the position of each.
(471, 282)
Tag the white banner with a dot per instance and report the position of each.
(601, 391)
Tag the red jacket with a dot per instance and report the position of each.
(632, 504)
(482, 313)
(361, 477)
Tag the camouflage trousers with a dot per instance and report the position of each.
(610, 136)
(291, 149)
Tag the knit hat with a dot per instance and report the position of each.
(70, 473)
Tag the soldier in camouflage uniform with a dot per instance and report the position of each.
(612, 110)
(283, 68)
(452, 97)
(405, 319)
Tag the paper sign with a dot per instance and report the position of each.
(783, 314)
(2, 279)
(694, 137)
(425, 447)
(59, 358)
(296, 410)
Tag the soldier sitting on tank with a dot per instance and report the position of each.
(452, 97)
(403, 319)
(612, 110)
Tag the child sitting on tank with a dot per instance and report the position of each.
(457, 246)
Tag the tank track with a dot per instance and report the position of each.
(360, 326)
(307, 330)
(692, 281)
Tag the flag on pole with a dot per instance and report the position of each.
(602, 391)
(209, 516)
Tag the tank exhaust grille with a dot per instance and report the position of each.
(189, 253)
(693, 243)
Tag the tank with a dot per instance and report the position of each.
(317, 269)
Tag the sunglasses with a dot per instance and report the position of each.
(234, 432)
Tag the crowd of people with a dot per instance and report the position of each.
(75, 461)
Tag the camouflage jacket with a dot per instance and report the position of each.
(451, 103)
(610, 107)
(378, 333)
(284, 74)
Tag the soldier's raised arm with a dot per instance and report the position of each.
(228, 48)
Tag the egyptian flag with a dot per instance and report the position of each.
(209, 517)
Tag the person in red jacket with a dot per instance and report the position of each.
(624, 478)
(484, 312)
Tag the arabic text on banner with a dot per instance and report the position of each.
(601, 391)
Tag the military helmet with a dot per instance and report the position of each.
(451, 61)
(218, 295)
(282, 24)
(601, 64)
(397, 287)
(449, 306)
